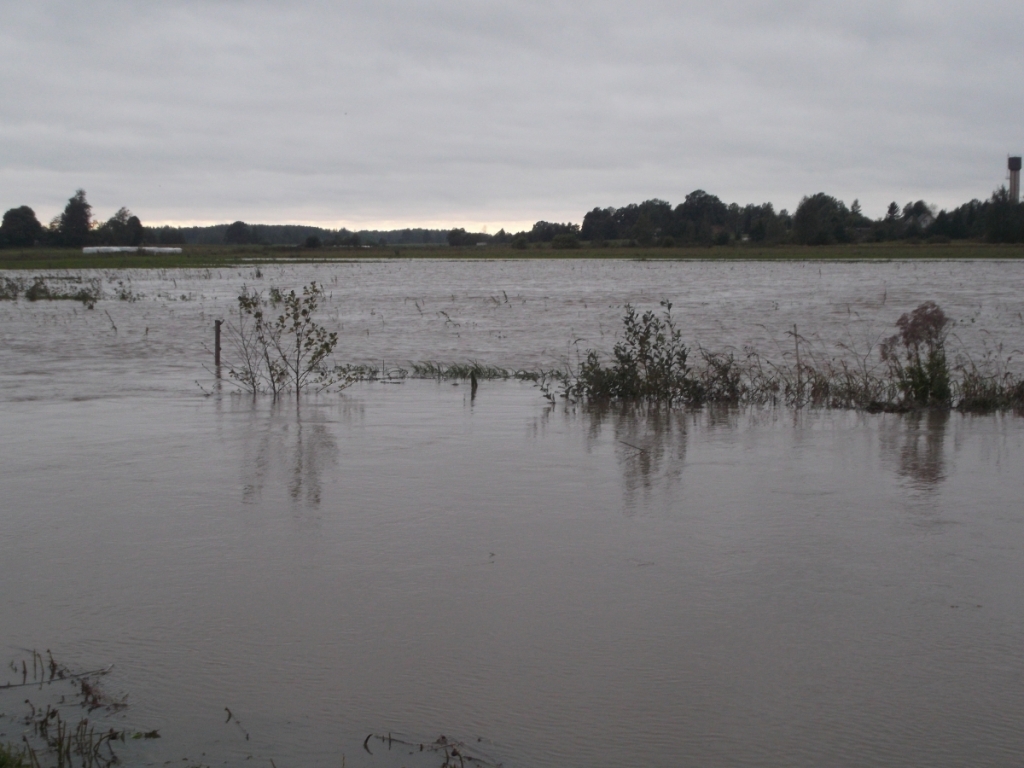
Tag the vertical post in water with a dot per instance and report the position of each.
(216, 345)
(799, 387)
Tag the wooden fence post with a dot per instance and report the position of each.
(216, 344)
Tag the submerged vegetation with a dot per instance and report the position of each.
(279, 347)
(53, 736)
(278, 344)
(909, 370)
(72, 722)
(52, 289)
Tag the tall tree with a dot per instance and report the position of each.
(134, 231)
(1004, 218)
(75, 224)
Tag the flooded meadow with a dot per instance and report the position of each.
(353, 574)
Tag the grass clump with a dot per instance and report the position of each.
(13, 757)
(435, 370)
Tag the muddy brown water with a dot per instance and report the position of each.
(553, 586)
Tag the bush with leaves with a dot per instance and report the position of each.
(649, 365)
(278, 344)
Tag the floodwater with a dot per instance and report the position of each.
(553, 586)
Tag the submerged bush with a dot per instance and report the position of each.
(10, 288)
(279, 346)
(921, 370)
(650, 364)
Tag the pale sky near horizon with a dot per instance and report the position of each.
(457, 113)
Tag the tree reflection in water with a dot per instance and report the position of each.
(650, 445)
(915, 442)
(291, 440)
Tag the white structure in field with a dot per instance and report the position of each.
(127, 249)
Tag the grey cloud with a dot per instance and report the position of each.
(461, 112)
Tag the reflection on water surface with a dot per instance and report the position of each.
(917, 441)
(572, 587)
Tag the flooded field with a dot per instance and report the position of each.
(510, 314)
(552, 586)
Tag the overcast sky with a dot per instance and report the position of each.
(449, 113)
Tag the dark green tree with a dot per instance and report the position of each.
(545, 231)
(698, 217)
(1004, 219)
(75, 224)
(820, 220)
(238, 233)
(599, 225)
(134, 231)
(643, 230)
(916, 218)
(123, 228)
(20, 228)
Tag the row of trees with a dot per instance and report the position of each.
(819, 219)
(74, 227)
(701, 219)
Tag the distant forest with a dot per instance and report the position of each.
(702, 219)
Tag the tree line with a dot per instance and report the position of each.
(73, 228)
(819, 219)
(701, 219)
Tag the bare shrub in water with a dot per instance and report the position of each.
(279, 346)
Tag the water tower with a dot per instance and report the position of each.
(1014, 165)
